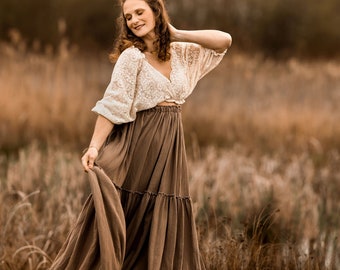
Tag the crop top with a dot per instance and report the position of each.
(136, 85)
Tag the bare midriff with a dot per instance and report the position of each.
(164, 103)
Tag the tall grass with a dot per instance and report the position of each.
(263, 144)
(251, 214)
(245, 100)
(276, 213)
(268, 105)
(48, 98)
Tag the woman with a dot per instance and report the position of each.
(139, 213)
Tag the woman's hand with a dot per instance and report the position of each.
(89, 157)
(102, 129)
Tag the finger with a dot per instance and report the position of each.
(84, 162)
(90, 163)
(91, 158)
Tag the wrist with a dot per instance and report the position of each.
(177, 35)
(93, 146)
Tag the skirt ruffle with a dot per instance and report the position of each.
(139, 214)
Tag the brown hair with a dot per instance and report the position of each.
(126, 38)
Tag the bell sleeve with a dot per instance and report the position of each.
(199, 60)
(117, 105)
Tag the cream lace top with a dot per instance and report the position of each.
(136, 85)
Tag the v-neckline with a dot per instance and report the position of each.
(160, 73)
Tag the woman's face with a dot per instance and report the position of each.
(139, 18)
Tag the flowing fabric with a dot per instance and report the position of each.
(139, 214)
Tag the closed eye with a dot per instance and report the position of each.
(139, 12)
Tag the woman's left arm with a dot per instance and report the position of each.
(212, 39)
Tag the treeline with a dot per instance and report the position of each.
(275, 28)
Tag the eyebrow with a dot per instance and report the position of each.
(136, 10)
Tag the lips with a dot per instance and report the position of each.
(139, 26)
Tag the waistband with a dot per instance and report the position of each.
(174, 108)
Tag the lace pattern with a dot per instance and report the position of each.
(136, 85)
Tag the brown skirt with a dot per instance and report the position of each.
(139, 214)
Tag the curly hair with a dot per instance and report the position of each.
(127, 39)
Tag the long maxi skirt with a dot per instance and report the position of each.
(139, 213)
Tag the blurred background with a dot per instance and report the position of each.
(276, 28)
(262, 129)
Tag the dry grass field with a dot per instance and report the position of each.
(264, 154)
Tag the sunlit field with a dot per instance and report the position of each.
(263, 143)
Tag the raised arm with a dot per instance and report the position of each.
(211, 39)
(102, 129)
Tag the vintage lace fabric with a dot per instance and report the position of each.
(136, 85)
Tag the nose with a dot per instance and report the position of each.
(134, 20)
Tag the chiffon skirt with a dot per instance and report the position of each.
(139, 213)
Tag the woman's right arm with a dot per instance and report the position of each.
(102, 129)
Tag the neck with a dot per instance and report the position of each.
(150, 48)
(149, 42)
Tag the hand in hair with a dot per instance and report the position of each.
(211, 39)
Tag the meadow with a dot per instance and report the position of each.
(263, 141)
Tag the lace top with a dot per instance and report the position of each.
(136, 85)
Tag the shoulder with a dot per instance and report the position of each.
(186, 51)
(185, 46)
(129, 59)
(131, 54)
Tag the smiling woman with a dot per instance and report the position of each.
(139, 214)
(140, 18)
(138, 14)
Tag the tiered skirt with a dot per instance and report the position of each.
(139, 214)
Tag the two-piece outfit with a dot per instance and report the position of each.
(139, 213)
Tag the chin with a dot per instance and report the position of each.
(141, 34)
